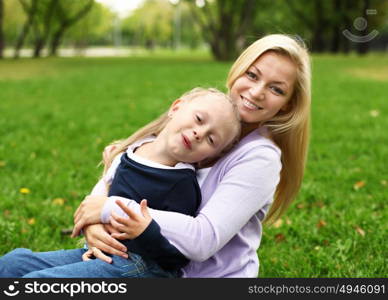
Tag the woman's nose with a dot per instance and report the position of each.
(257, 91)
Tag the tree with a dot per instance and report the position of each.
(1, 28)
(30, 10)
(42, 24)
(225, 24)
(95, 28)
(67, 17)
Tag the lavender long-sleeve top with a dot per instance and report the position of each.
(222, 240)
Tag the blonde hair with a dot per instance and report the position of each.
(156, 126)
(290, 129)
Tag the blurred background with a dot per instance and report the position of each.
(123, 27)
(76, 75)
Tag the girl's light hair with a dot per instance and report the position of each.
(156, 126)
(290, 129)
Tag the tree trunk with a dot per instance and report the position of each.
(30, 11)
(2, 42)
(348, 24)
(336, 30)
(363, 47)
(38, 47)
(65, 24)
(56, 41)
(318, 41)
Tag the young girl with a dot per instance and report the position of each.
(154, 163)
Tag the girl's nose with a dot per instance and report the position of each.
(197, 135)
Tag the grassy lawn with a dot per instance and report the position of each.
(58, 114)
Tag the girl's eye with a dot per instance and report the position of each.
(211, 141)
(198, 118)
(251, 75)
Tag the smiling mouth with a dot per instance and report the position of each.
(249, 104)
(186, 142)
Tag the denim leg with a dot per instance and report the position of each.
(133, 267)
(22, 261)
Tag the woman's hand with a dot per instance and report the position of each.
(88, 212)
(99, 240)
(132, 226)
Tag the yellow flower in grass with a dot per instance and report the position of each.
(24, 191)
(31, 221)
(58, 201)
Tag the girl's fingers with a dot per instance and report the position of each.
(118, 226)
(110, 228)
(123, 221)
(144, 209)
(128, 211)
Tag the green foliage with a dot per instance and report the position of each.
(13, 20)
(154, 24)
(94, 28)
(58, 114)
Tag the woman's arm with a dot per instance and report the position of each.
(246, 187)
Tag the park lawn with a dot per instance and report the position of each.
(57, 114)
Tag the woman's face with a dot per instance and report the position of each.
(265, 88)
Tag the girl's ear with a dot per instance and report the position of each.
(174, 107)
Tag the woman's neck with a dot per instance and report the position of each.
(247, 128)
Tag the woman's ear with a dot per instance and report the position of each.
(174, 107)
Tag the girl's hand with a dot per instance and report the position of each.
(132, 226)
(88, 212)
(98, 237)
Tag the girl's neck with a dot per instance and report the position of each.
(152, 151)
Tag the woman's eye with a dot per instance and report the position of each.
(251, 75)
(199, 119)
(211, 141)
(278, 91)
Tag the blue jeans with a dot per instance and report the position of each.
(23, 262)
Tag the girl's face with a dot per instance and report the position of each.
(264, 89)
(198, 129)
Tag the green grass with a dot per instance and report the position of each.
(58, 114)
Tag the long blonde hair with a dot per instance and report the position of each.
(157, 125)
(290, 129)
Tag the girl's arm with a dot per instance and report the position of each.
(245, 188)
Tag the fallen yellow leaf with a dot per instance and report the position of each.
(31, 221)
(58, 201)
(383, 182)
(374, 113)
(280, 237)
(360, 231)
(321, 223)
(359, 184)
(2, 163)
(278, 223)
(24, 191)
